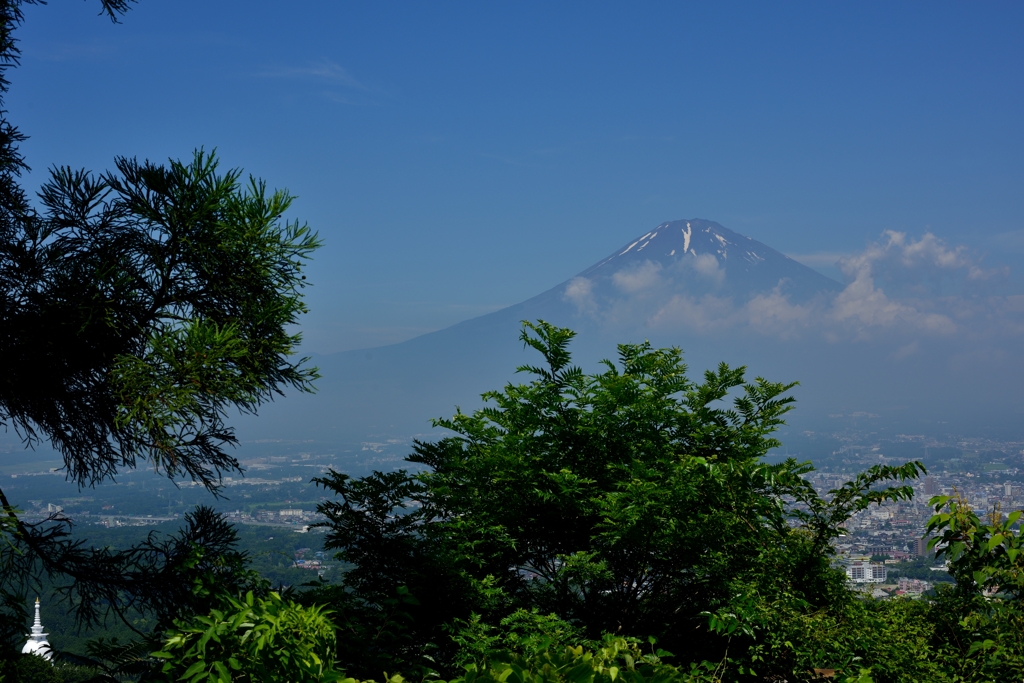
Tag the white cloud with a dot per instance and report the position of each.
(707, 266)
(580, 292)
(705, 314)
(774, 314)
(643, 277)
(324, 70)
(896, 255)
(867, 306)
(903, 262)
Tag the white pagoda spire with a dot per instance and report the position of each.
(37, 643)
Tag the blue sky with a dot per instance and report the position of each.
(457, 158)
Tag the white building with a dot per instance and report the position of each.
(37, 643)
(866, 572)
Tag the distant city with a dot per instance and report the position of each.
(884, 552)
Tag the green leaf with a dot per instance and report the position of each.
(194, 669)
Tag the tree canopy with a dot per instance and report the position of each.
(633, 501)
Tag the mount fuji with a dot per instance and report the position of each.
(369, 394)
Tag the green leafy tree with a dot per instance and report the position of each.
(613, 659)
(265, 640)
(982, 614)
(633, 501)
(983, 555)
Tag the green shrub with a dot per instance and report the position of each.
(266, 640)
